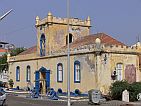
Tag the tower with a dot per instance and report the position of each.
(52, 32)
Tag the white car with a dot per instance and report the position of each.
(2, 99)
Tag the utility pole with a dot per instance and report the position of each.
(68, 54)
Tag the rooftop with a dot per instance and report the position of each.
(90, 39)
(3, 50)
(29, 50)
(86, 40)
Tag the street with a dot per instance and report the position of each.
(22, 101)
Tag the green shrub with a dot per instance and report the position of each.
(11, 83)
(134, 90)
(117, 88)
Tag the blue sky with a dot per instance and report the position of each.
(119, 18)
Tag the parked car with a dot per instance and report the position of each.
(2, 98)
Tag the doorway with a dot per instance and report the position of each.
(42, 80)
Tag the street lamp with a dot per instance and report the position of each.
(68, 54)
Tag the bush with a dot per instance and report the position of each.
(11, 83)
(134, 90)
(117, 88)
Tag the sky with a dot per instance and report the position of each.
(120, 19)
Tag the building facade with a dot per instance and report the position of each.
(4, 49)
(96, 60)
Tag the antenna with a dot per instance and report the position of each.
(3, 16)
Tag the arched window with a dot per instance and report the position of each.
(77, 72)
(70, 39)
(119, 70)
(42, 45)
(17, 73)
(59, 72)
(28, 74)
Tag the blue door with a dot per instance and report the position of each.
(37, 77)
(47, 78)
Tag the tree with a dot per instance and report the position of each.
(3, 59)
(3, 63)
(17, 51)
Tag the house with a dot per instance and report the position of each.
(96, 60)
(4, 49)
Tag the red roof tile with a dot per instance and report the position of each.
(90, 39)
(86, 40)
(3, 50)
(29, 51)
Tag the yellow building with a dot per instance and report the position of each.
(96, 60)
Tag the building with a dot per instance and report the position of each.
(4, 76)
(4, 49)
(96, 60)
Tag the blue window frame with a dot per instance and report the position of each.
(17, 73)
(59, 72)
(77, 72)
(42, 45)
(28, 73)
